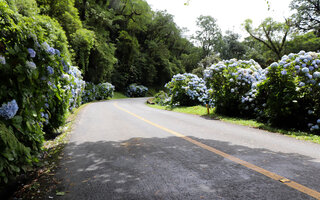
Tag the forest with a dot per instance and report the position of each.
(56, 55)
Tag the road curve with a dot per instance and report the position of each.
(123, 149)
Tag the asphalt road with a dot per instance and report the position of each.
(123, 149)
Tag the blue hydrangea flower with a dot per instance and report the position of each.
(301, 84)
(274, 64)
(316, 74)
(45, 46)
(2, 60)
(31, 65)
(283, 72)
(9, 109)
(305, 70)
(57, 52)
(50, 70)
(32, 53)
(51, 50)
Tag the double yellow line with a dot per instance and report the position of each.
(292, 184)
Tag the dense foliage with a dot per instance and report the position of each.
(133, 44)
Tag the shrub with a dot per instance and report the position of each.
(162, 98)
(187, 90)
(232, 86)
(291, 92)
(33, 89)
(97, 92)
(135, 90)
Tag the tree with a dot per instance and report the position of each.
(258, 51)
(231, 46)
(271, 34)
(307, 17)
(307, 42)
(209, 35)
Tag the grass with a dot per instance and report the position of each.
(118, 95)
(202, 111)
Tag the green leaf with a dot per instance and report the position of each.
(60, 193)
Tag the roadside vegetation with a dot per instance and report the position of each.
(202, 111)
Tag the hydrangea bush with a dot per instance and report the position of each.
(290, 94)
(97, 92)
(232, 85)
(34, 92)
(135, 90)
(187, 90)
(162, 98)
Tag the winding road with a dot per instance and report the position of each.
(123, 149)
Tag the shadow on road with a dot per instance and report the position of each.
(172, 168)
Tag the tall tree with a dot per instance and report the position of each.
(307, 16)
(231, 46)
(271, 34)
(209, 35)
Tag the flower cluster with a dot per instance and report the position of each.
(76, 86)
(232, 85)
(9, 110)
(187, 89)
(135, 90)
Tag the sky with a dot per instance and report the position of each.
(230, 14)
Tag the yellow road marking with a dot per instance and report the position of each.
(274, 176)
